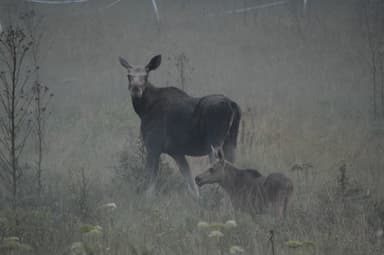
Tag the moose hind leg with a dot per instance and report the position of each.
(281, 205)
(152, 167)
(186, 172)
(229, 151)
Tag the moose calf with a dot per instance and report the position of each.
(248, 190)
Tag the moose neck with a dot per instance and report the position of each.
(143, 103)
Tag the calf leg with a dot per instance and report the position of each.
(186, 172)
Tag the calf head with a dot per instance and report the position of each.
(214, 174)
(138, 75)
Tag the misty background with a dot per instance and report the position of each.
(308, 79)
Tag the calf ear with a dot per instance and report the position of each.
(215, 152)
(220, 154)
(124, 63)
(154, 63)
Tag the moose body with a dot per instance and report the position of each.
(177, 124)
(248, 189)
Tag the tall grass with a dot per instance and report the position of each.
(329, 214)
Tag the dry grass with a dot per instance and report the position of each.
(331, 213)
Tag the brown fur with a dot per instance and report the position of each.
(248, 190)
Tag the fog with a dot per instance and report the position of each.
(312, 71)
(303, 77)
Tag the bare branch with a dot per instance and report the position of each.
(20, 62)
(112, 4)
(4, 160)
(21, 95)
(252, 8)
(3, 59)
(20, 147)
(3, 103)
(156, 10)
(3, 138)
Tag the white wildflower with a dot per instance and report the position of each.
(230, 224)
(202, 224)
(12, 239)
(77, 248)
(236, 249)
(216, 233)
(109, 206)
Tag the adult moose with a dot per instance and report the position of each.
(177, 124)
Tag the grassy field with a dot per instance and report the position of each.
(332, 212)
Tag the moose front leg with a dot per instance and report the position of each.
(186, 172)
(152, 167)
(211, 157)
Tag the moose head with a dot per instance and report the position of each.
(138, 75)
(216, 173)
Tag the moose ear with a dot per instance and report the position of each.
(124, 63)
(154, 63)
